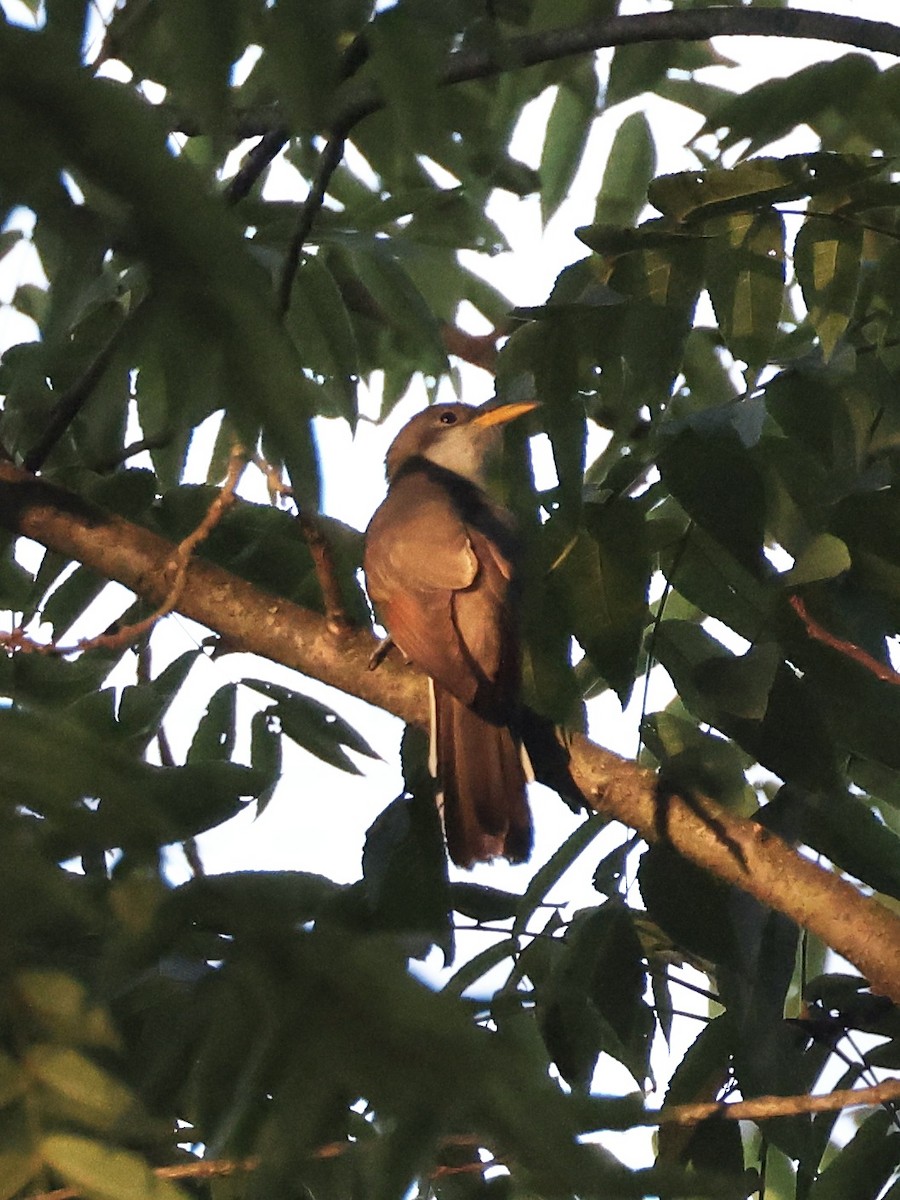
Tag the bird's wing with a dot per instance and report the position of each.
(417, 541)
(418, 557)
(485, 624)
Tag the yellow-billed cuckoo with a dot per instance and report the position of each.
(440, 569)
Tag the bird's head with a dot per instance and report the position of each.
(457, 437)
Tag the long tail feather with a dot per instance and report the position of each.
(485, 807)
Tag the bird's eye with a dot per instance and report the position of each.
(447, 418)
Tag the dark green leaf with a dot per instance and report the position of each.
(314, 726)
(714, 479)
(216, 734)
(862, 1168)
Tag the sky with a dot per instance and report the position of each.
(318, 817)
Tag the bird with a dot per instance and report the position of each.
(440, 562)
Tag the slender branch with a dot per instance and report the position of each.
(271, 144)
(326, 572)
(329, 162)
(763, 1108)
(268, 147)
(694, 25)
(131, 451)
(856, 926)
(320, 549)
(819, 633)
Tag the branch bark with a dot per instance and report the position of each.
(738, 851)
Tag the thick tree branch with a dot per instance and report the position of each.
(738, 851)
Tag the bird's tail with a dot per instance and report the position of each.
(482, 770)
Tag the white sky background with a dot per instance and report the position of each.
(318, 816)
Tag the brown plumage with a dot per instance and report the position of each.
(440, 569)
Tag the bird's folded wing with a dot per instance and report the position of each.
(439, 587)
(417, 541)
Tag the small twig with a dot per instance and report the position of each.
(201, 1169)
(850, 650)
(131, 450)
(319, 549)
(273, 140)
(275, 485)
(763, 1108)
(326, 574)
(842, 218)
(18, 640)
(266, 149)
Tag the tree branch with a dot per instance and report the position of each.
(329, 161)
(741, 852)
(550, 45)
(764, 1108)
(695, 25)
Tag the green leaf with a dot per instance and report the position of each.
(792, 739)
(80, 1089)
(693, 760)
(102, 1172)
(825, 557)
(314, 726)
(216, 734)
(594, 999)
(745, 277)
(304, 44)
(640, 67)
(69, 601)
(714, 479)
(566, 135)
(13, 1080)
(405, 876)
(143, 706)
(555, 867)
(253, 901)
(265, 756)
(767, 112)
(479, 965)
(629, 169)
(320, 326)
(827, 261)
(602, 579)
(202, 273)
(65, 1010)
